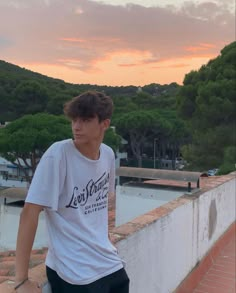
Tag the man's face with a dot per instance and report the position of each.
(89, 130)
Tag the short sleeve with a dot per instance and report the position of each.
(48, 180)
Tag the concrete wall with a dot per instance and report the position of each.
(12, 183)
(9, 220)
(161, 254)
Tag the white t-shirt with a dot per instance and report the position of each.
(74, 191)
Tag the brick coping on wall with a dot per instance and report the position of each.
(37, 270)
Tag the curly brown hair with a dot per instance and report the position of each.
(88, 105)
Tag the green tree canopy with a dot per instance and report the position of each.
(24, 140)
(207, 101)
(30, 97)
(112, 139)
(138, 127)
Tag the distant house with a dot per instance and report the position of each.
(3, 124)
(11, 175)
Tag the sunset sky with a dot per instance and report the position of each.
(115, 42)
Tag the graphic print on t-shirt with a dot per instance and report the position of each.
(93, 197)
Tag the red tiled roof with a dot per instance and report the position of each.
(7, 262)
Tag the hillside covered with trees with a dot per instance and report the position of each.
(25, 92)
(195, 120)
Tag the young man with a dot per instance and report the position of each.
(71, 184)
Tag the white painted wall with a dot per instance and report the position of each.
(162, 254)
(9, 222)
(12, 183)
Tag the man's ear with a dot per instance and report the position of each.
(106, 123)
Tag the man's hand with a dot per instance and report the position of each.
(29, 287)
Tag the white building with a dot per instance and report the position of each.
(11, 175)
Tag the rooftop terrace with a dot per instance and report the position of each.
(172, 248)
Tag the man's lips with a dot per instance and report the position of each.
(78, 135)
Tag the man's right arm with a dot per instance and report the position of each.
(25, 238)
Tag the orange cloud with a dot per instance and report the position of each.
(208, 45)
(73, 40)
(128, 65)
(180, 65)
(201, 47)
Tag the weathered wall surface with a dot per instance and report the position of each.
(162, 253)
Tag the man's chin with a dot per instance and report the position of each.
(80, 140)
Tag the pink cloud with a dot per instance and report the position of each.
(73, 40)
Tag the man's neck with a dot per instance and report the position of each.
(90, 151)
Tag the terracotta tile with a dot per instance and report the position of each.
(160, 212)
(215, 272)
(219, 279)
(172, 205)
(224, 268)
(6, 288)
(224, 261)
(144, 219)
(3, 279)
(7, 258)
(126, 229)
(217, 284)
(4, 272)
(209, 289)
(7, 264)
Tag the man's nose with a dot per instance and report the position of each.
(78, 124)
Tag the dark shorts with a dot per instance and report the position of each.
(117, 282)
